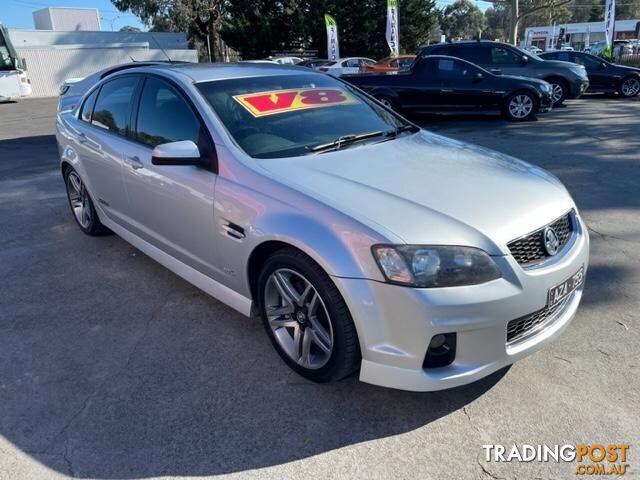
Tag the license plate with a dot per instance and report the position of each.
(562, 291)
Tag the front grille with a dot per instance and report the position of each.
(525, 326)
(529, 250)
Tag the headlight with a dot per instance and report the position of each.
(64, 89)
(435, 266)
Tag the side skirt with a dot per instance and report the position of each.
(217, 290)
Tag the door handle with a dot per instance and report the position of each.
(446, 90)
(134, 162)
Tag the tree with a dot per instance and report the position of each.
(497, 23)
(462, 19)
(129, 28)
(200, 19)
(521, 9)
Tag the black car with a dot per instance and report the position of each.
(568, 80)
(603, 76)
(314, 63)
(451, 85)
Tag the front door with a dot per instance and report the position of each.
(171, 206)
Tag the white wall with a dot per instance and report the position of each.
(67, 19)
(48, 67)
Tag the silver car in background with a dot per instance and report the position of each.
(363, 242)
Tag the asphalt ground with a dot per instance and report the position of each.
(112, 367)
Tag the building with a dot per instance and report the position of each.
(580, 34)
(54, 56)
(67, 19)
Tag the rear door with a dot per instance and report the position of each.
(171, 206)
(420, 87)
(103, 126)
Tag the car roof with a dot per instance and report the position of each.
(202, 72)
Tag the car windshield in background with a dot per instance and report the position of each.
(291, 115)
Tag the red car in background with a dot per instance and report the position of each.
(390, 64)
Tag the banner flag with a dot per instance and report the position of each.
(333, 50)
(609, 21)
(392, 27)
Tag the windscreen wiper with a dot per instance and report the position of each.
(403, 128)
(339, 142)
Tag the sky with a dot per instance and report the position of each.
(17, 13)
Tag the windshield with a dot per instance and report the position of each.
(290, 115)
(529, 53)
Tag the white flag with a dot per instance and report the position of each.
(333, 50)
(392, 27)
(609, 21)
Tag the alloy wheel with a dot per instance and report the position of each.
(79, 200)
(557, 92)
(520, 106)
(298, 318)
(631, 87)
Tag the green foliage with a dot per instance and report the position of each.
(497, 23)
(461, 20)
(255, 28)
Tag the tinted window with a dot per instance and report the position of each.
(394, 63)
(550, 56)
(287, 115)
(87, 107)
(354, 62)
(405, 62)
(113, 107)
(564, 56)
(505, 57)
(449, 69)
(588, 61)
(475, 53)
(164, 116)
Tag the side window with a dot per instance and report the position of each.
(113, 106)
(164, 116)
(589, 63)
(394, 63)
(405, 63)
(502, 56)
(87, 106)
(550, 56)
(366, 61)
(478, 54)
(353, 62)
(564, 56)
(449, 69)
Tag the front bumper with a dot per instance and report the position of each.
(545, 104)
(395, 324)
(577, 88)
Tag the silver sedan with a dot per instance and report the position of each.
(363, 242)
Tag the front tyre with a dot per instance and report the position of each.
(81, 205)
(629, 87)
(306, 318)
(559, 91)
(520, 106)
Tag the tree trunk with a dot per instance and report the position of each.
(513, 24)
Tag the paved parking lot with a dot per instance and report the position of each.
(112, 367)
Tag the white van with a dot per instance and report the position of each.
(14, 82)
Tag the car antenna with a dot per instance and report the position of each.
(161, 49)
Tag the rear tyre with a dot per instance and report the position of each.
(82, 206)
(520, 106)
(560, 90)
(629, 86)
(306, 318)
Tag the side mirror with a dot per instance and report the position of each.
(20, 64)
(524, 59)
(603, 65)
(184, 152)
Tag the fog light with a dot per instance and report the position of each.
(437, 341)
(441, 351)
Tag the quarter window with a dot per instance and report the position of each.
(164, 116)
(113, 106)
(87, 106)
